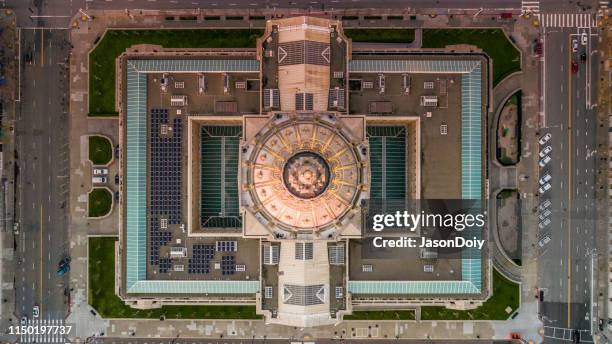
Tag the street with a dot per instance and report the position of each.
(564, 264)
(42, 179)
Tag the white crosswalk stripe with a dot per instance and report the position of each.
(603, 4)
(581, 20)
(43, 331)
(530, 6)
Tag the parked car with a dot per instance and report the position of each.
(545, 179)
(584, 38)
(99, 180)
(23, 321)
(544, 223)
(545, 138)
(544, 161)
(544, 188)
(574, 45)
(545, 240)
(116, 179)
(545, 205)
(100, 171)
(116, 195)
(545, 214)
(117, 152)
(544, 152)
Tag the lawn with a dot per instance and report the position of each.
(100, 202)
(101, 292)
(506, 59)
(381, 315)
(100, 150)
(505, 293)
(381, 35)
(114, 42)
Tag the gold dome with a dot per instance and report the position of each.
(303, 174)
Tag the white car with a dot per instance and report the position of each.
(544, 161)
(100, 171)
(544, 188)
(584, 38)
(545, 179)
(99, 180)
(544, 223)
(545, 215)
(544, 152)
(545, 138)
(574, 45)
(545, 205)
(35, 311)
(545, 240)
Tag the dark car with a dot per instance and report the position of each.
(116, 195)
(64, 266)
(538, 48)
(116, 179)
(583, 57)
(575, 67)
(117, 152)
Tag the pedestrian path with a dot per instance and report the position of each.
(43, 331)
(530, 6)
(577, 20)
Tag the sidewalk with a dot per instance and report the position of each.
(8, 96)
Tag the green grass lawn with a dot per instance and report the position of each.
(114, 42)
(381, 315)
(101, 292)
(100, 150)
(100, 201)
(506, 59)
(505, 293)
(381, 35)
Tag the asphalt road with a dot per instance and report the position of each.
(42, 181)
(57, 13)
(564, 264)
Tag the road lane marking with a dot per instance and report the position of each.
(42, 47)
(41, 259)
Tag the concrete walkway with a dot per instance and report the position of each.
(501, 177)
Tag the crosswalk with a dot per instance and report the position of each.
(578, 20)
(530, 6)
(566, 334)
(44, 331)
(603, 4)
